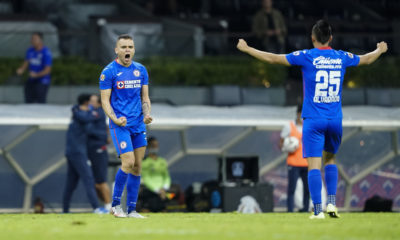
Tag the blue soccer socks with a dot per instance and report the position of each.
(315, 187)
(132, 191)
(120, 180)
(331, 179)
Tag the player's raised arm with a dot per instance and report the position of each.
(371, 57)
(263, 56)
(146, 105)
(108, 110)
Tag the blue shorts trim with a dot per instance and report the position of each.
(125, 140)
(321, 135)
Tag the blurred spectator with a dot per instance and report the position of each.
(38, 60)
(269, 28)
(155, 179)
(97, 150)
(297, 165)
(77, 157)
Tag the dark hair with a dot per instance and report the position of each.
(124, 36)
(83, 98)
(151, 139)
(299, 108)
(39, 34)
(322, 31)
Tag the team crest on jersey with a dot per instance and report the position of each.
(123, 145)
(120, 85)
(136, 73)
(350, 55)
(102, 77)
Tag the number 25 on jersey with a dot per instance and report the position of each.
(327, 86)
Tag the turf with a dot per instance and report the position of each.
(206, 226)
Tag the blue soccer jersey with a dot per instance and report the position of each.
(38, 60)
(126, 84)
(323, 71)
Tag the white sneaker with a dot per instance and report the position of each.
(332, 211)
(118, 212)
(135, 214)
(321, 215)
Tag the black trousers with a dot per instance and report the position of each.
(35, 92)
(151, 200)
(293, 174)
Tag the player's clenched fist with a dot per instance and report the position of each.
(382, 46)
(121, 121)
(147, 119)
(242, 45)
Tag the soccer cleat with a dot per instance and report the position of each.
(135, 214)
(332, 211)
(118, 212)
(321, 215)
(100, 210)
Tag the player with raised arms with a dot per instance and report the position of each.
(323, 71)
(125, 100)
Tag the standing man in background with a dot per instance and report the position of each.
(38, 60)
(297, 165)
(125, 99)
(97, 151)
(270, 28)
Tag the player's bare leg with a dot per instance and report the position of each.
(137, 170)
(331, 178)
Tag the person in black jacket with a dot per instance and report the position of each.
(76, 153)
(97, 151)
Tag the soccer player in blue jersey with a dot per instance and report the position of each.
(125, 100)
(323, 71)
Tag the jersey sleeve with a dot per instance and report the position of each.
(297, 58)
(145, 76)
(106, 79)
(47, 60)
(350, 60)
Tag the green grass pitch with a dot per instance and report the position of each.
(285, 226)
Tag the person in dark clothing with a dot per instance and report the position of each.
(269, 28)
(97, 151)
(77, 157)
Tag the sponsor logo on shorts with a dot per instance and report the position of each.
(136, 73)
(123, 144)
(102, 77)
(297, 53)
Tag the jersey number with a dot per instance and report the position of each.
(328, 83)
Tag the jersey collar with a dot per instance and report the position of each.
(324, 48)
(116, 61)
